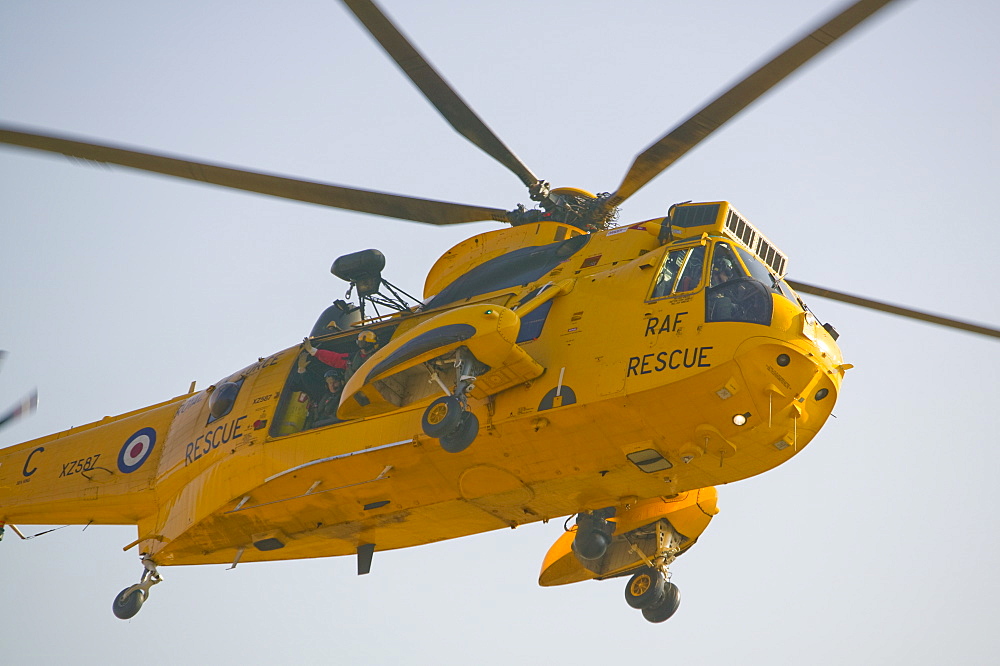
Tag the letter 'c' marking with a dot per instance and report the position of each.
(28, 472)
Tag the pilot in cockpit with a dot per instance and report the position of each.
(722, 307)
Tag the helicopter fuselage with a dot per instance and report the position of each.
(649, 387)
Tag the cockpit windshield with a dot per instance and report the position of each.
(760, 273)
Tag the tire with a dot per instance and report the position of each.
(442, 416)
(644, 589)
(128, 602)
(666, 607)
(463, 435)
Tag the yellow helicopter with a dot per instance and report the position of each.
(478, 404)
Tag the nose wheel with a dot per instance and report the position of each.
(129, 601)
(649, 589)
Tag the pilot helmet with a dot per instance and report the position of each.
(723, 264)
(367, 340)
(335, 373)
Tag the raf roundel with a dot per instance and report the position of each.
(136, 449)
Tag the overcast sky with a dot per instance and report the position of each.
(874, 169)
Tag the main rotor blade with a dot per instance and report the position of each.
(324, 194)
(894, 309)
(673, 145)
(437, 91)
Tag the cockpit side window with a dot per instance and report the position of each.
(681, 272)
(690, 278)
(732, 295)
(668, 273)
(725, 267)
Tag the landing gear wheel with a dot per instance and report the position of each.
(442, 416)
(645, 589)
(667, 606)
(463, 435)
(128, 602)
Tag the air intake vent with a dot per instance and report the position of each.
(770, 256)
(694, 216)
(741, 228)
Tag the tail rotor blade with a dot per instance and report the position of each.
(28, 404)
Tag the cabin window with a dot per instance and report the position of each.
(732, 295)
(680, 273)
(222, 398)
